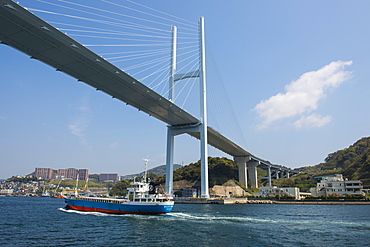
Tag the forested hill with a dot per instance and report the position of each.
(353, 162)
(220, 170)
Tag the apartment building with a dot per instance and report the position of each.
(44, 173)
(69, 173)
(108, 177)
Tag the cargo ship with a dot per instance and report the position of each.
(139, 200)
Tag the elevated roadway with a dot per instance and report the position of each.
(31, 35)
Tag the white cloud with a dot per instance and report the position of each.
(81, 121)
(113, 145)
(313, 120)
(302, 96)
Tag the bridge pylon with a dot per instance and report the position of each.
(201, 126)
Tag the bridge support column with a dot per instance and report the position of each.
(242, 164)
(170, 134)
(169, 161)
(269, 175)
(173, 131)
(202, 126)
(277, 174)
(252, 173)
(204, 162)
(203, 111)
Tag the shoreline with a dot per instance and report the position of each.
(324, 202)
(229, 201)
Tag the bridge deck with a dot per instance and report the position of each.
(29, 34)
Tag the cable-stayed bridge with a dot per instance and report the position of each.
(31, 35)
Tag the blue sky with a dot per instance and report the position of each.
(295, 74)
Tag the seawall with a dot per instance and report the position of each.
(254, 201)
(324, 202)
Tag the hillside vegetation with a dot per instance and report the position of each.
(353, 162)
(220, 170)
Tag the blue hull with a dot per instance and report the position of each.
(119, 208)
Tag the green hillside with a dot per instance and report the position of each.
(220, 170)
(353, 162)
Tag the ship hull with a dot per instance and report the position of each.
(120, 208)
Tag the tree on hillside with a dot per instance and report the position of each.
(353, 162)
(220, 170)
(120, 188)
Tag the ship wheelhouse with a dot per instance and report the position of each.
(139, 192)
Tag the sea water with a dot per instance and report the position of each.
(45, 222)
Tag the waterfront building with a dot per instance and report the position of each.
(6, 192)
(336, 185)
(108, 177)
(273, 191)
(189, 192)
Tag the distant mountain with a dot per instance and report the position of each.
(159, 170)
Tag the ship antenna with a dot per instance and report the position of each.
(146, 169)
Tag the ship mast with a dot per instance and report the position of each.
(76, 194)
(146, 169)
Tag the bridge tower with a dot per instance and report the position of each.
(200, 127)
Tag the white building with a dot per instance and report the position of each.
(274, 191)
(336, 185)
(6, 192)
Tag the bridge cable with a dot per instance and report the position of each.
(134, 27)
(137, 56)
(161, 63)
(110, 12)
(112, 32)
(227, 116)
(160, 11)
(159, 71)
(129, 52)
(188, 71)
(194, 26)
